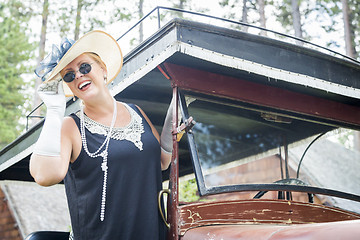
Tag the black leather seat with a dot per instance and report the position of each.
(48, 235)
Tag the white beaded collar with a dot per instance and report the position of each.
(132, 132)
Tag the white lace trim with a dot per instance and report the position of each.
(132, 132)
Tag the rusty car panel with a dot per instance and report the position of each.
(254, 211)
(319, 231)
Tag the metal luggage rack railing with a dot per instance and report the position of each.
(206, 16)
(277, 35)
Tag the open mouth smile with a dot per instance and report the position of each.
(84, 85)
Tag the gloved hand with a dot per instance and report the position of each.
(166, 142)
(53, 96)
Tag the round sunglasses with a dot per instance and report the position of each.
(84, 68)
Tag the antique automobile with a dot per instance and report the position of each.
(253, 152)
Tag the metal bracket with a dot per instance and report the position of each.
(184, 127)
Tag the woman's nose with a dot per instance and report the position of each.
(78, 74)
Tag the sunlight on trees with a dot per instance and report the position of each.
(15, 51)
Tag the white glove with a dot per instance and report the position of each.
(53, 96)
(166, 142)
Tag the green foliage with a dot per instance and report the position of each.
(188, 191)
(235, 11)
(332, 10)
(63, 14)
(284, 15)
(65, 21)
(346, 138)
(185, 5)
(355, 22)
(15, 51)
(94, 14)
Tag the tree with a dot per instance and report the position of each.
(233, 9)
(252, 12)
(15, 52)
(186, 5)
(181, 5)
(349, 11)
(295, 12)
(290, 18)
(90, 7)
(141, 14)
(349, 34)
(67, 18)
(188, 191)
(244, 16)
(45, 14)
(78, 19)
(262, 4)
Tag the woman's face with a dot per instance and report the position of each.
(85, 85)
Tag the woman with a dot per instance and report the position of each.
(108, 153)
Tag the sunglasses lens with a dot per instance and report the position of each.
(69, 77)
(85, 68)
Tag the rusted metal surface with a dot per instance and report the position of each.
(258, 212)
(173, 201)
(317, 231)
(262, 95)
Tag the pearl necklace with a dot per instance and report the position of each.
(97, 153)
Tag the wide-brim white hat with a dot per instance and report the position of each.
(98, 42)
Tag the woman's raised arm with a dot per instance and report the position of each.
(51, 155)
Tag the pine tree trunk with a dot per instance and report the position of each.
(41, 56)
(181, 4)
(244, 17)
(350, 50)
(296, 19)
(262, 16)
(348, 30)
(78, 20)
(141, 14)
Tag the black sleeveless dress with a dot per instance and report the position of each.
(133, 182)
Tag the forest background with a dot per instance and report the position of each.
(28, 28)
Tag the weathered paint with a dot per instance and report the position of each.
(173, 202)
(263, 95)
(258, 212)
(344, 230)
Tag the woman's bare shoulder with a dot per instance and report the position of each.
(68, 125)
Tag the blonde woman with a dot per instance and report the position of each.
(109, 154)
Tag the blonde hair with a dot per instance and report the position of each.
(96, 58)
